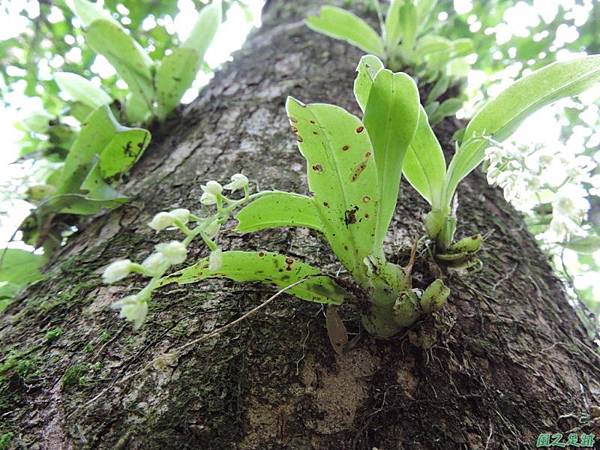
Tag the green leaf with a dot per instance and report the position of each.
(205, 28)
(368, 68)
(438, 89)
(80, 111)
(98, 195)
(123, 150)
(119, 147)
(446, 109)
(88, 12)
(95, 196)
(391, 119)
(500, 117)
(174, 76)
(393, 27)
(408, 22)
(38, 122)
(279, 209)
(424, 9)
(82, 204)
(585, 245)
(432, 44)
(178, 70)
(81, 90)
(267, 267)
(127, 57)
(462, 47)
(424, 164)
(344, 25)
(136, 109)
(20, 267)
(342, 175)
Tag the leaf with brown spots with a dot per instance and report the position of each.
(343, 154)
(268, 267)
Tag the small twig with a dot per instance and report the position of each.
(240, 319)
(487, 444)
(413, 256)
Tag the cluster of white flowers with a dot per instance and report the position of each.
(533, 176)
(135, 307)
(213, 190)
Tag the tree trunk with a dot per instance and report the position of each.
(506, 360)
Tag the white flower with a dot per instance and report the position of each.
(117, 271)
(133, 309)
(238, 181)
(215, 260)
(174, 252)
(492, 175)
(545, 159)
(493, 154)
(181, 214)
(571, 202)
(212, 187)
(208, 199)
(161, 221)
(156, 264)
(534, 183)
(561, 227)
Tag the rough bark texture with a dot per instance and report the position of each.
(506, 360)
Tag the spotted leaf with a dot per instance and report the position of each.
(342, 176)
(266, 267)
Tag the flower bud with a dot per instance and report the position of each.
(181, 214)
(161, 221)
(208, 199)
(133, 309)
(155, 264)
(238, 181)
(174, 252)
(212, 187)
(117, 271)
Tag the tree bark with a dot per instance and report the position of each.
(506, 360)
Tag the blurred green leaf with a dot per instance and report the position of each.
(341, 24)
(127, 57)
(81, 90)
(585, 245)
(20, 267)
